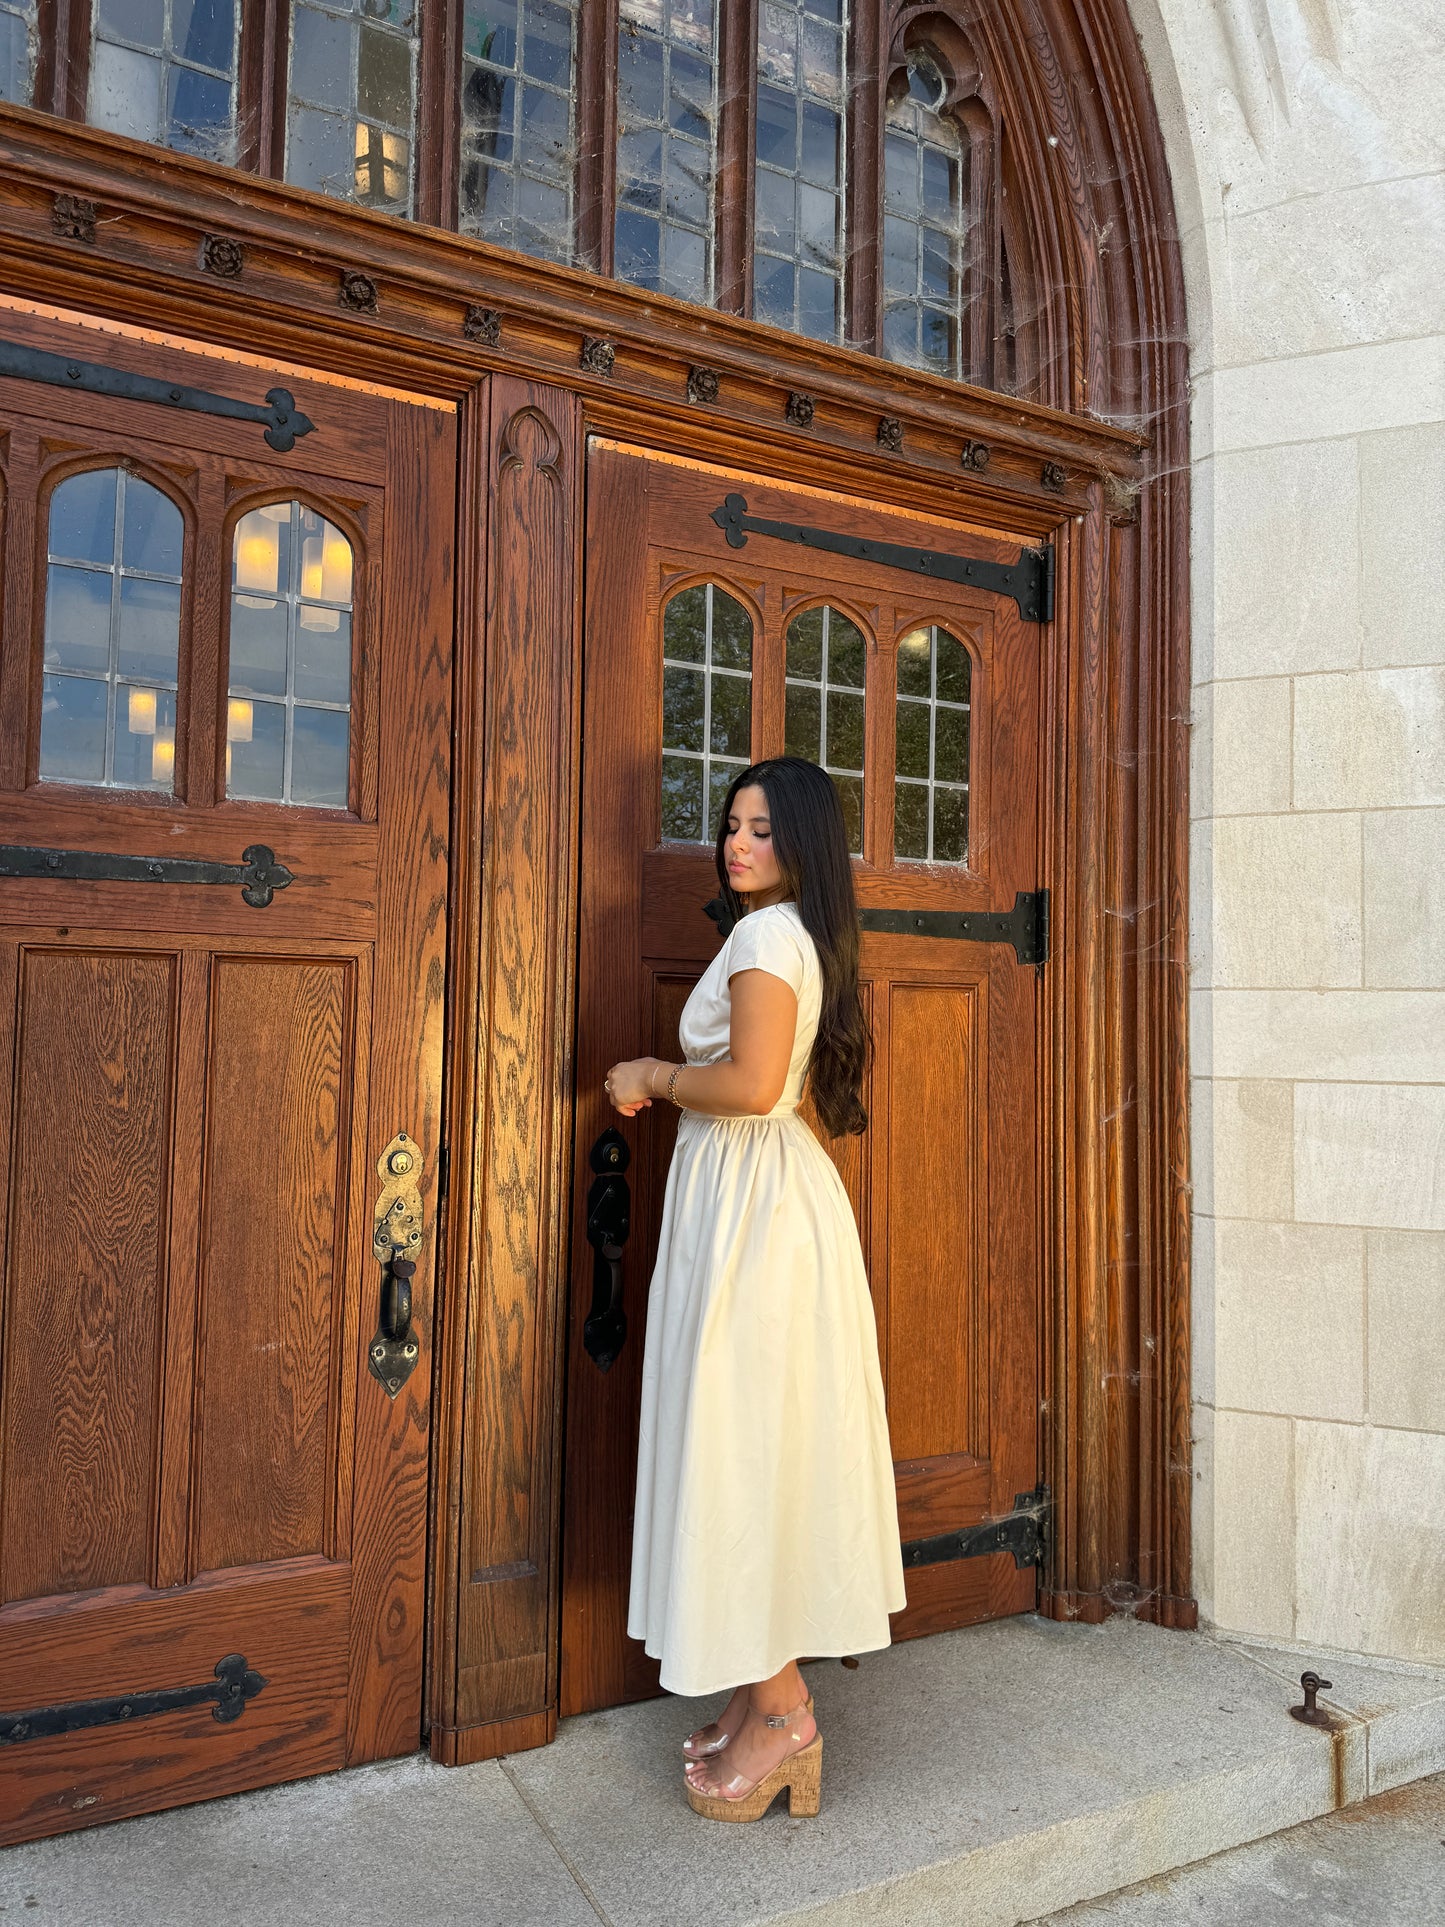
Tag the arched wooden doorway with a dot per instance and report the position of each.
(1061, 426)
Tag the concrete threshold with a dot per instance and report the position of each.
(988, 1777)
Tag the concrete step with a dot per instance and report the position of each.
(990, 1776)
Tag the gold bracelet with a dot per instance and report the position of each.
(672, 1096)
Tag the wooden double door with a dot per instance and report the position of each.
(729, 619)
(225, 693)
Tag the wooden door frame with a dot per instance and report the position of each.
(536, 357)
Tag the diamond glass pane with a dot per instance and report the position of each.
(288, 710)
(707, 701)
(931, 748)
(115, 547)
(351, 101)
(666, 145)
(823, 704)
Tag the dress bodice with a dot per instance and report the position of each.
(774, 939)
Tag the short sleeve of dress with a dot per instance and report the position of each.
(763, 942)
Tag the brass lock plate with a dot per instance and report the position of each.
(397, 1225)
(397, 1231)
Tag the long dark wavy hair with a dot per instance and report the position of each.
(810, 840)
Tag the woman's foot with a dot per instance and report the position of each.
(754, 1751)
(712, 1738)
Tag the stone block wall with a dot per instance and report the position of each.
(1305, 146)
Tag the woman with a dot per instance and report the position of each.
(765, 1526)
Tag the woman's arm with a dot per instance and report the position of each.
(748, 1082)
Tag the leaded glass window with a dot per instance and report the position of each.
(288, 724)
(17, 50)
(518, 139)
(924, 225)
(798, 197)
(351, 122)
(930, 796)
(165, 71)
(707, 707)
(112, 633)
(823, 712)
(666, 145)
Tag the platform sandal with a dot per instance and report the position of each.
(691, 1750)
(800, 1772)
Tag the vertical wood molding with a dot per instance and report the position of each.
(513, 1052)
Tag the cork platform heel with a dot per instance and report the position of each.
(799, 1772)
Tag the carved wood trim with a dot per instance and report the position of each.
(511, 1057)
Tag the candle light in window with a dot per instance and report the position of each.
(239, 717)
(163, 755)
(258, 552)
(325, 564)
(141, 712)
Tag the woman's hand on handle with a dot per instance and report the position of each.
(632, 1085)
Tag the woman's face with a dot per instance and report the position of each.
(752, 864)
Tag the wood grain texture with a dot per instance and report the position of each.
(85, 1278)
(198, 1108)
(272, 1222)
(290, 1623)
(516, 1188)
(945, 1182)
(939, 1158)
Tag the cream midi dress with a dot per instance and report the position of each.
(766, 1527)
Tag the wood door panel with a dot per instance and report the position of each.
(944, 1183)
(937, 1192)
(85, 1276)
(260, 1482)
(289, 1624)
(273, 1224)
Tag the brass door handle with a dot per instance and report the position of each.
(397, 1232)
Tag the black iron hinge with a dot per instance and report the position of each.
(279, 416)
(1026, 926)
(1024, 1532)
(1030, 580)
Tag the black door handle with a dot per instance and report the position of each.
(396, 1300)
(609, 1219)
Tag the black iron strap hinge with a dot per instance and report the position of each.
(279, 416)
(1030, 580)
(258, 874)
(234, 1683)
(1026, 926)
(1024, 1532)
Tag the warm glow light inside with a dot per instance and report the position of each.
(239, 716)
(163, 755)
(326, 566)
(258, 553)
(325, 621)
(141, 712)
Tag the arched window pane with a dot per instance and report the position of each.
(165, 71)
(666, 145)
(707, 707)
(112, 633)
(798, 204)
(17, 50)
(518, 136)
(925, 203)
(351, 122)
(288, 723)
(824, 713)
(931, 726)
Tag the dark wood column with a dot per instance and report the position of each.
(495, 1682)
